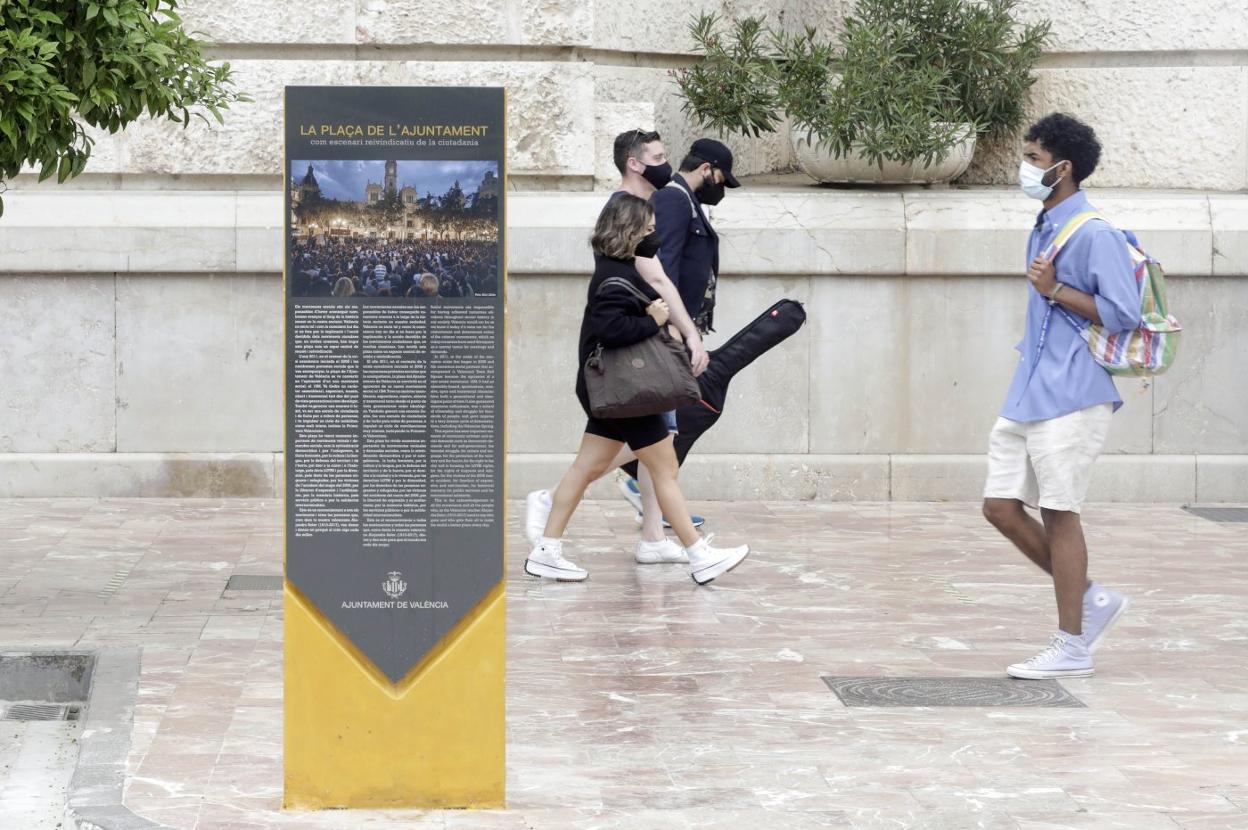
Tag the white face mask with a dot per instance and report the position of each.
(1031, 180)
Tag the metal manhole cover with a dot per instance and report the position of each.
(41, 711)
(949, 691)
(254, 582)
(1220, 514)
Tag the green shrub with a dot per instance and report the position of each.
(902, 83)
(103, 63)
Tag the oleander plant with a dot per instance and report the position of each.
(905, 81)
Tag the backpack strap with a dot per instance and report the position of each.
(1068, 230)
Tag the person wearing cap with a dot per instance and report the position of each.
(689, 246)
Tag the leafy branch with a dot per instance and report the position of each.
(66, 65)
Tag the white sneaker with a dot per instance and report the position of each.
(1101, 609)
(1065, 656)
(537, 511)
(659, 553)
(547, 561)
(706, 563)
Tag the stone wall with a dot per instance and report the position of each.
(162, 375)
(142, 337)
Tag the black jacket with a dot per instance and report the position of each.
(689, 249)
(613, 318)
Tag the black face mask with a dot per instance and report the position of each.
(648, 247)
(711, 192)
(657, 174)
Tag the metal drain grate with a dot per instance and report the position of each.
(1220, 514)
(254, 582)
(41, 711)
(949, 691)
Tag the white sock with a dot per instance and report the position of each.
(547, 542)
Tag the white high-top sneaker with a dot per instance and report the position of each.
(546, 560)
(659, 553)
(706, 563)
(537, 511)
(1101, 609)
(1066, 656)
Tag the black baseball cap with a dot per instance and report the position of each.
(718, 154)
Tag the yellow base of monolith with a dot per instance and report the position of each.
(354, 739)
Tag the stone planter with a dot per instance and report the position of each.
(822, 166)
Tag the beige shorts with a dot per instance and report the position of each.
(1047, 464)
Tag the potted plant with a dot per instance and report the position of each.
(901, 98)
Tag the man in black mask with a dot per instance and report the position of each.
(689, 249)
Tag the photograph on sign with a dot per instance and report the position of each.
(394, 228)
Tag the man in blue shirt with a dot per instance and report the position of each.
(1056, 415)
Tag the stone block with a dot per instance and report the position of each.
(732, 477)
(550, 119)
(137, 475)
(543, 326)
(985, 232)
(1229, 218)
(1154, 26)
(117, 231)
(1132, 428)
(938, 477)
(1201, 404)
(549, 233)
(58, 372)
(1159, 126)
(199, 364)
(656, 27)
(1174, 228)
(810, 231)
(609, 121)
(910, 365)
(980, 232)
(258, 233)
(779, 477)
(238, 21)
(1144, 478)
(1221, 478)
(538, 23)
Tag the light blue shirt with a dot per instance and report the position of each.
(1066, 378)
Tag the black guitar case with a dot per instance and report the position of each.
(768, 330)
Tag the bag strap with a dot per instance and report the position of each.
(1050, 254)
(693, 208)
(627, 286)
(1068, 230)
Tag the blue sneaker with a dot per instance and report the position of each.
(1101, 609)
(630, 490)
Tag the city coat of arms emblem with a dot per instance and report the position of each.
(394, 586)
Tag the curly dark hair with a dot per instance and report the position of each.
(1067, 139)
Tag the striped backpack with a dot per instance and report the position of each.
(1146, 350)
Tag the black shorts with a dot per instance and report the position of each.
(638, 433)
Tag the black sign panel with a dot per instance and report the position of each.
(394, 359)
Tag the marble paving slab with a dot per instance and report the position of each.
(638, 700)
